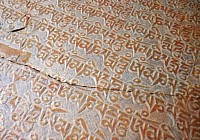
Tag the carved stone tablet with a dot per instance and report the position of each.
(99, 70)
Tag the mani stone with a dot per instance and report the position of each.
(99, 70)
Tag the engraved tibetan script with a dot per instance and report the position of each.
(100, 70)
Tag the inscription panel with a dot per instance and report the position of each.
(99, 69)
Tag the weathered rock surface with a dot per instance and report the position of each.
(120, 70)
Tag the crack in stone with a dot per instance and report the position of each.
(57, 79)
(17, 30)
(75, 85)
